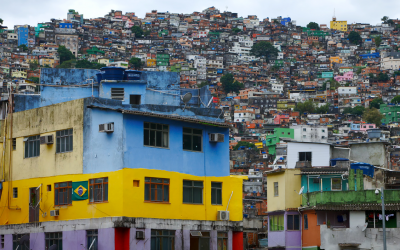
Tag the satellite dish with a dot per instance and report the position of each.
(24, 241)
(53, 247)
(301, 190)
(186, 98)
(209, 103)
(364, 227)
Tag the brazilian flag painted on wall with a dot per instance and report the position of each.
(80, 190)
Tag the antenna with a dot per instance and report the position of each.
(186, 98)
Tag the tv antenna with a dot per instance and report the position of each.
(186, 98)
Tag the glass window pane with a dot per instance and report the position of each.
(198, 183)
(156, 180)
(165, 139)
(152, 138)
(197, 143)
(166, 193)
(197, 131)
(216, 184)
(158, 138)
(187, 183)
(197, 195)
(187, 142)
(146, 125)
(296, 222)
(290, 222)
(153, 192)
(153, 125)
(187, 195)
(213, 196)
(146, 137)
(147, 192)
(219, 196)
(105, 192)
(187, 130)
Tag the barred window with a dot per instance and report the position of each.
(63, 193)
(32, 146)
(162, 240)
(64, 140)
(156, 135)
(17, 241)
(98, 190)
(53, 239)
(92, 239)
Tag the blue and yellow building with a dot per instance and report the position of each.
(119, 165)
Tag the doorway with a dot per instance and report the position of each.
(199, 240)
(34, 198)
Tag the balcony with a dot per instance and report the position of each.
(352, 200)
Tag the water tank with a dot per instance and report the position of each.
(99, 77)
(132, 75)
(112, 73)
(374, 133)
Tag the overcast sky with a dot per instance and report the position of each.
(19, 12)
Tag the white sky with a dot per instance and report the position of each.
(19, 12)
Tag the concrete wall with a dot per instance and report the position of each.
(357, 219)
(320, 153)
(372, 153)
(130, 88)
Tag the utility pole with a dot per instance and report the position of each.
(383, 218)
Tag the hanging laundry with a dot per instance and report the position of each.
(380, 217)
(340, 218)
(344, 217)
(389, 215)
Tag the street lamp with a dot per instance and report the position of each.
(383, 215)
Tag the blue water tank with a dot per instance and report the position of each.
(99, 77)
(113, 73)
(132, 75)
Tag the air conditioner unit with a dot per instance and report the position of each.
(54, 212)
(47, 139)
(215, 137)
(106, 127)
(140, 235)
(223, 215)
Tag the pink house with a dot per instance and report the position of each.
(348, 76)
(280, 119)
(365, 127)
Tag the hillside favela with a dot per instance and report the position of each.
(200, 131)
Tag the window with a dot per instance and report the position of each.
(193, 192)
(276, 222)
(323, 130)
(156, 189)
(16, 241)
(336, 184)
(222, 241)
(293, 222)
(92, 239)
(15, 192)
(276, 190)
(216, 193)
(98, 190)
(134, 99)
(304, 129)
(156, 135)
(192, 139)
(14, 143)
(200, 240)
(117, 94)
(2, 241)
(305, 221)
(136, 183)
(53, 239)
(32, 146)
(304, 156)
(304, 136)
(63, 193)
(64, 140)
(48, 188)
(162, 240)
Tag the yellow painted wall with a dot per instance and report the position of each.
(44, 121)
(124, 199)
(339, 25)
(151, 62)
(335, 59)
(289, 183)
(19, 74)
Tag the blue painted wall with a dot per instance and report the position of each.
(66, 25)
(130, 88)
(326, 183)
(23, 35)
(124, 147)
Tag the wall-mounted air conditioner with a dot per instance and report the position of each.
(106, 127)
(54, 212)
(216, 137)
(139, 235)
(47, 139)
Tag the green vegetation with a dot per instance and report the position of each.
(264, 49)
(396, 99)
(376, 103)
(139, 32)
(359, 110)
(378, 41)
(136, 63)
(229, 84)
(333, 84)
(373, 116)
(23, 47)
(245, 144)
(236, 30)
(354, 37)
(65, 54)
(80, 64)
(313, 26)
(34, 65)
(34, 79)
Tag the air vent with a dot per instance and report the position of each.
(139, 235)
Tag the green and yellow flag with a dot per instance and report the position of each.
(80, 190)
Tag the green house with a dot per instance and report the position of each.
(391, 113)
(272, 140)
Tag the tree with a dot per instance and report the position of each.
(359, 71)
(348, 110)
(139, 32)
(313, 26)
(236, 30)
(385, 19)
(322, 109)
(383, 77)
(229, 84)
(265, 49)
(333, 84)
(244, 144)
(1, 21)
(34, 79)
(136, 63)
(307, 106)
(358, 110)
(85, 64)
(396, 99)
(65, 54)
(70, 64)
(376, 103)
(23, 47)
(34, 65)
(354, 37)
(378, 41)
(373, 116)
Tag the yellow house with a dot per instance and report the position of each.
(338, 25)
(15, 73)
(151, 62)
(47, 61)
(335, 59)
(105, 61)
(283, 188)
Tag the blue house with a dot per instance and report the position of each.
(370, 56)
(23, 32)
(66, 25)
